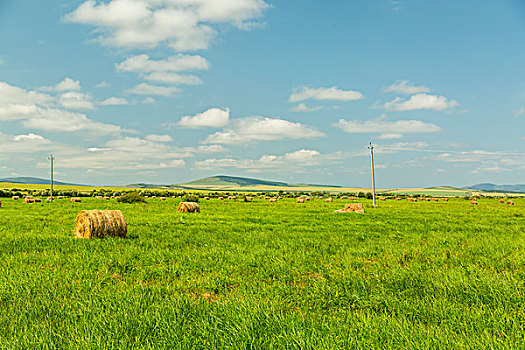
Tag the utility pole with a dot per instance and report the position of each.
(51, 158)
(373, 175)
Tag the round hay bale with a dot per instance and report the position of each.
(100, 223)
(510, 203)
(273, 200)
(37, 200)
(15, 198)
(188, 207)
(300, 200)
(29, 200)
(75, 200)
(220, 198)
(329, 199)
(474, 203)
(162, 198)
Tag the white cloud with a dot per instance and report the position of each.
(248, 129)
(389, 136)
(148, 101)
(421, 101)
(75, 100)
(181, 24)
(67, 84)
(405, 87)
(175, 79)
(301, 107)
(293, 161)
(159, 138)
(102, 84)
(114, 101)
(211, 149)
(332, 94)
(211, 118)
(383, 126)
(520, 111)
(39, 111)
(128, 153)
(147, 89)
(178, 63)
(23, 143)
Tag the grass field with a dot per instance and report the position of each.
(265, 275)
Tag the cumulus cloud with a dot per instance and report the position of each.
(248, 129)
(181, 25)
(75, 100)
(389, 136)
(67, 84)
(173, 79)
(211, 118)
(147, 89)
(405, 87)
(331, 94)
(23, 143)
(301, 107)
(211, 149)
(159, 138)
(114, 101)
(128, 153)
(102, 84)
(294, 161)
(178, 63)
(419, 102)
(41, 111)
(384, 126)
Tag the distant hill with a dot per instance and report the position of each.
(35, 181)
(488, 187)
(222, 180)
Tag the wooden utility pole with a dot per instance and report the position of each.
(51, 158)
(373, 175)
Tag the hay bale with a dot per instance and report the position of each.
(188, 207)
(15, 198)
(0, 204)
(329, 199)
(206, 198)
(29, 200)
(474, 203)
(445, 199)
(300, 200)
(510, 203)
(75, 200)
(100, 223)
(220, 198)
(266, 197)
(37, 200)
(351, 208)
(273, 200)
(60, 197)
(398, 199)
(435, 199)
(162, 198)
(382, 198)
(501, 201)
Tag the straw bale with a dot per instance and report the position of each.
(502, 201)
(474, 203)
(75, 200)
(273, 200)
(15, 198)
(510, 203)
(37, 200)
(445, 199)
(162, 198)
(329, 199)
(220, 198)
(29, 200)
(352, 208)
(100, 223)
(300, 200)
(188, 207)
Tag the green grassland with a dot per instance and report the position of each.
(265, 275)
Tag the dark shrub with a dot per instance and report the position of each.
(131, 197)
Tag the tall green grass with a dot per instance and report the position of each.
(265, 275)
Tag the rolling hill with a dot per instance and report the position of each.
(36, 181)
(489, 187)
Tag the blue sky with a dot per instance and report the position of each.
(165, 91)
